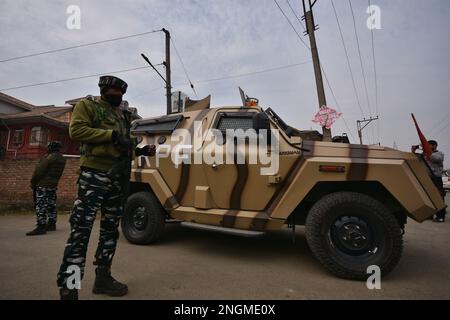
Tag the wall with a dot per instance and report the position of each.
(15, 175)
(7, 108)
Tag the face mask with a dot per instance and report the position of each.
(114, 100)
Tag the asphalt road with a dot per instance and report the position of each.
(191, 264)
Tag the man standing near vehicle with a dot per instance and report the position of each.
(44, 183)
(436, 164)
(102, 128)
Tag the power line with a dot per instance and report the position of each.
(323, 69)
(276, 69)
(145, 93)
(375, 75)
(74, 78)
(439, 123)
(292, 26)
(362, 69)
(442, 129)
(254, 72)
(184, 67)
(145, 67)
(336, 102)
(234, 76)
(445, 145)
(79, 46)
(295, 14)
(360, 57)
(348, 59)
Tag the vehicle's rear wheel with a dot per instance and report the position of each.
(144, 218)
(348, 232)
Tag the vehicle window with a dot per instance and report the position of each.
(234, 121)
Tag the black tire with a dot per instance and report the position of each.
(348, 232)
(144, 218)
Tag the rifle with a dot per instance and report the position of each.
(127, 175)
(123, 167)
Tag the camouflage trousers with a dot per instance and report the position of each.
(45, 203)
(96, 191)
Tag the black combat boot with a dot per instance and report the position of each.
(40, 229)
(106, 284)
(51, 226)
(68, 294)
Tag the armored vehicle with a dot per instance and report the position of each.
(354, 200)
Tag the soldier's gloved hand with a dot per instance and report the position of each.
(148, 150)
(122, 142)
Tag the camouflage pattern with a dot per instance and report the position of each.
(45, 202)
(312, 184)
(236, 196)
(96, 191)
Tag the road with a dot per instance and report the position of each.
(191, 264)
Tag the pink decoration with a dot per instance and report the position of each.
(326, 117)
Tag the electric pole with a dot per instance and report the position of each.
(310, 29)
(168, 73)
(167, 80)
(361, 124)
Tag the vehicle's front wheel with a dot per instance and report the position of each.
(144, 218)
(348, 232)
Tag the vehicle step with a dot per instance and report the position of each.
(237, 232)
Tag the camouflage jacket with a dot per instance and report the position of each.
(92, 124)
(48, 171)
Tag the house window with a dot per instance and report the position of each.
(17, 140)
(38, 136)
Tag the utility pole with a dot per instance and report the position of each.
(167, 80)
(310, 29)
(168, 73)
(361, 124)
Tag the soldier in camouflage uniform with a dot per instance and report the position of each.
(44, 183)
(100, 126)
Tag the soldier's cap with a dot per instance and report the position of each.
(54, 145)
(114, 82)
(433, 142)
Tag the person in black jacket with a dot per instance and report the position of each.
(44, 183)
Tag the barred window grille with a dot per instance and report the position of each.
(234, 123)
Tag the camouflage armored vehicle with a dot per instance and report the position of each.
(354, 200)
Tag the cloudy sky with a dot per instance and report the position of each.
(227, 38)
